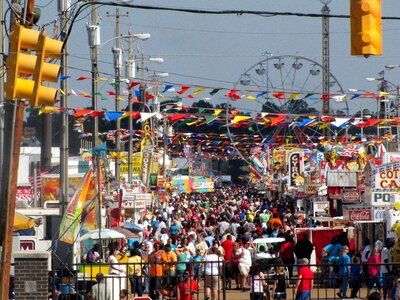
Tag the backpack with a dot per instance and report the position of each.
(90, 257)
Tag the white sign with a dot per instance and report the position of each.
(203, 185)
(320, 206)
(132, 200)
(391, 157)
(383, 198)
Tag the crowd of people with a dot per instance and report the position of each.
(195, 238)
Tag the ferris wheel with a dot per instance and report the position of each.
(290, 85)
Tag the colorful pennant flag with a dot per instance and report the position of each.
(214, 91)
(167, 87)
(83, 78)
(184, 88)
(198, 91)
(381, 75)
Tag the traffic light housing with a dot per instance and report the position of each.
(45, 71)
(366, 27)
(21, 63)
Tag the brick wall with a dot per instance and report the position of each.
(31, 274)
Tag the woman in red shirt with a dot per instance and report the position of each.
(188, 287)
(374, 266)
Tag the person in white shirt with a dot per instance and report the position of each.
(115, 268)
(213, 264)
(245, 264)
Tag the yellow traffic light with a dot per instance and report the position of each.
(45, 71)
(20, 65)
(366, 27)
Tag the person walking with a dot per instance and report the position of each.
(303, 248)
(305, 281)
(155, 272)
(135, 266)
(213, 264)
(245, 264)
(280, 283)
(227, 245)
(257, 283)
(169, 259)
(344, 271)
(365, 254)
(188, 287)
(286, 253)
(386, 269)
(355, 277)
(374, 262)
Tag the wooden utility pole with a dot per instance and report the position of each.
(14, 123)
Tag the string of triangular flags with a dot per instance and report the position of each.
(191, 92)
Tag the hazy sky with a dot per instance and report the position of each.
(214, 50)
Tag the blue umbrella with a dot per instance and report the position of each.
(133, 227)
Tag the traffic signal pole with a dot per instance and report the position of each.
(20, 63)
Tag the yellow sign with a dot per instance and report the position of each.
(136, 165)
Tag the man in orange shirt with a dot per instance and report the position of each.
(156, 271)
(169, 260)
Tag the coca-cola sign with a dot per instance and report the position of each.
(357, 215)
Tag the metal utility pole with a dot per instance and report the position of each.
(63, 10)
(384, 108)
(325, 62)
(130, 74)
(94, 43)
(117, 53)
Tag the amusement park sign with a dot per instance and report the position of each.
(386, 177)
(295, 167)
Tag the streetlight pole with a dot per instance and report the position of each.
(94, 43)
(117, 52)
(130, 74)
(64, 153)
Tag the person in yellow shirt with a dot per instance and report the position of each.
(135, 265)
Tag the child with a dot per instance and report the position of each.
(123, 294)
(280, 283)
(257, 282)
(355, 273)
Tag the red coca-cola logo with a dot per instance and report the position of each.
(360, 215)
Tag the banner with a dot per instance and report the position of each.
(51, 186)
(147, 155)
(73, 212)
